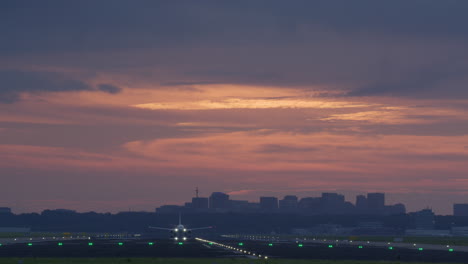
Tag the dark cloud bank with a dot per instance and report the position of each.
(399, 48)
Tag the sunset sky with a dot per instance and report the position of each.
(117, 105)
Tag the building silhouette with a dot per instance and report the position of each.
(327, 204)
(424, 219)
(219, 200)
(309, 204)
(460, 209)
(332, 203)
(395, 209)
(268, 203)
(376, 203)
(5, 210)
(288, 203)
(200, 203)
(361, 204)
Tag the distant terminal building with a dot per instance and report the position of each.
(268, 203)
(460, 231)
(219, 200)
(460, 209)
(5, 210)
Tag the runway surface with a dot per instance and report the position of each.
(112, 248)
(222, 249)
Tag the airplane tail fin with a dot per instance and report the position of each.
(180, 219)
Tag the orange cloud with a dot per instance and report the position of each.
(234, 103)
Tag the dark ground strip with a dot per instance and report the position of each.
(192, 249)
(292, 250)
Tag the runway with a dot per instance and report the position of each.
(112, 248)
(218, 248)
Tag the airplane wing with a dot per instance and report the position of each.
(161, 228)
(198, 228)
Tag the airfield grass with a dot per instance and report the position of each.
(184, 261)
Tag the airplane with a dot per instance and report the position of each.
(180, 232)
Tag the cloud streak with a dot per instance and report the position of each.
(14, 82)
(239, 103)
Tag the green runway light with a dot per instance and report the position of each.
(120, 244)
(450, 249)
(29, 244)
(391, 248)
(360, 246)
(211, 243)
(60, 244)
(241, 244)
(270, 245)
(90, 244)
(150, 243)
(420, 249)
(181, 243)
(330, 246)
(300, 245)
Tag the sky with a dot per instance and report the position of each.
(119, 105)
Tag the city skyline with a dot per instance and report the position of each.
(110, 105)
(181, 206)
